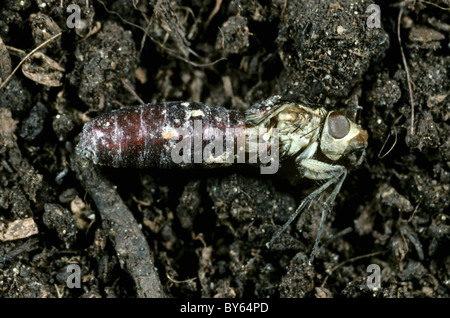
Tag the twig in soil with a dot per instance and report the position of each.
(284, 8)
(349, 261)
(27, 56)
(213, 13)
(123, 230)
(407, 232)
(384, 144)
(144, 36)
(405, 65)
(58, 292)
(387, 138)
(436, 5)
(340, 234)
(131, 90)
(186, 281)
(28, 246)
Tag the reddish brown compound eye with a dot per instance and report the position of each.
(338, 125)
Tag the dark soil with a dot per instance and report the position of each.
(202, 233)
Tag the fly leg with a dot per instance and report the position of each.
(317, 170)
(338, 178)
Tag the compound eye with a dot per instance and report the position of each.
(338, 125)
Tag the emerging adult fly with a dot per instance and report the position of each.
(147, 135)
(317, 139)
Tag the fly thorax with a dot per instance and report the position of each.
(296, 136)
